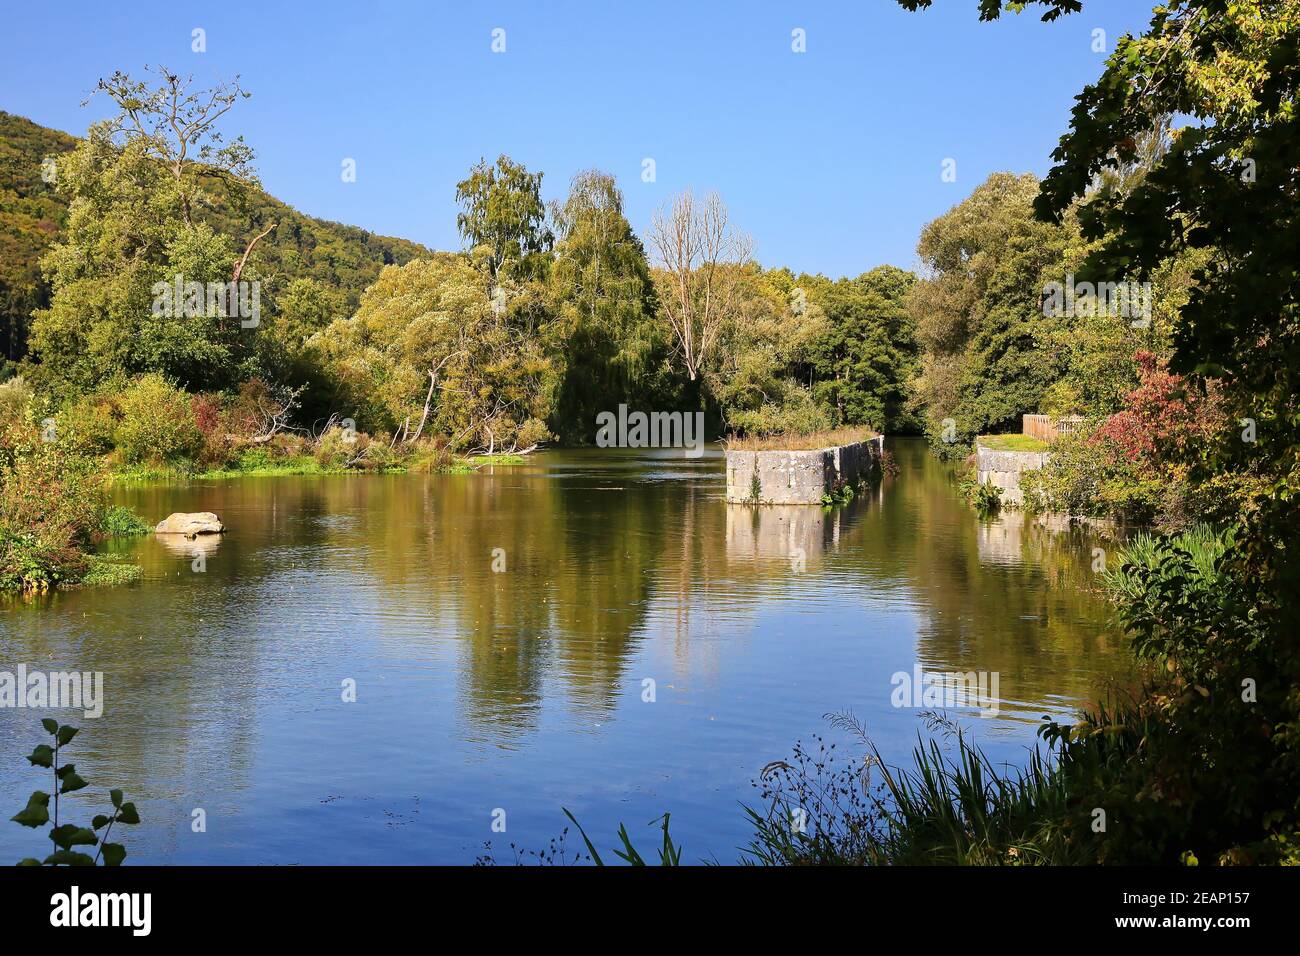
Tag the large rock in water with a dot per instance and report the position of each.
(190, 524)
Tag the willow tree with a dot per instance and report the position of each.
(603, 302)
(428, 355)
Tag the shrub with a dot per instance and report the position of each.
(339, 448)
(1086, 477)
(797, 413)
(158, 425)
(430, 458)
(219, 444)
(532, 432)
(51, 506)
(15, 397)
(1200, 764)
(986, 497)
(88, 426)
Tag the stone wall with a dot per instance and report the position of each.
(798, 477)
(1002, 469)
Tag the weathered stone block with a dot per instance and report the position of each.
(1002, 469)
(798, 477)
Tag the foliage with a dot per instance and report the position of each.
(129, 228)
(793, 412)
(978, 312)
(427, 331)
(340, 448)
(1135, 465)
(1191, 765)
(866, 352)
(108, 572)
(120, 521)
(31, 214)
(66, 836)
(503, 218)
(985, 497)
(15, 400)
(603, 300)
(1087, 478)
(157, 424)
(760, 351)
(1227, 185)
(51, 507)
(340, 260)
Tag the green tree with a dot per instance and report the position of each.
(133, 186)
(761, 358)
(867, 354)
(603, 301)
(1217, 742)
(428, 353)
(503, 218)
(978, 312)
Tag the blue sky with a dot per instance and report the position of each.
(829, 159)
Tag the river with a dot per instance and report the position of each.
(597, 630)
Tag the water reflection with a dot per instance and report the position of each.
(501, 629)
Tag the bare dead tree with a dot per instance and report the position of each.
(274, 412)
(698, 252)
(428, 398)
(243, 260)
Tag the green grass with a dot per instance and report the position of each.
(1012, 443)
(105, 572)
(477, 461)
(121, 522)
(298, 465)
(812, 441)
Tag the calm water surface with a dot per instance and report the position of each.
(523, 690)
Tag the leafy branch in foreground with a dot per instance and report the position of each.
(68, 835)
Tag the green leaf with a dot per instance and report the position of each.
(50, 724)
(127, 814)
(28, 861)
(66, 733)
(42, 756)
(116, 796)
(70, 835)
(69, 858)
(114, 854)
(36, 813)
(100, 821)
(72, 782)
(595, 857)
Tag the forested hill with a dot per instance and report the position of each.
(32, 213)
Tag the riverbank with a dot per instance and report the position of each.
(300, 466)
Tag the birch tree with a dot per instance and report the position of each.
(696, 245)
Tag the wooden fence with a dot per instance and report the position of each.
(1048, 429)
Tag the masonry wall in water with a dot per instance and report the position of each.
(1002, 469)
(798, 477)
